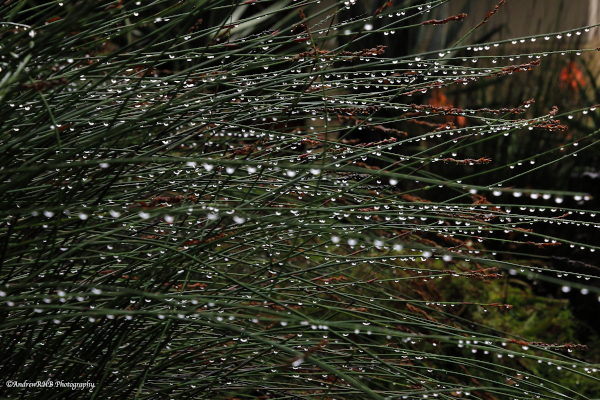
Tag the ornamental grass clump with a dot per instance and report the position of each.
(242, 200)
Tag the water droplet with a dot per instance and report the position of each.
(298, 362)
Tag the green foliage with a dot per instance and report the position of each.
(228, 199)
(546, 319)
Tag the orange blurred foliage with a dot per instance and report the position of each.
(571, 77)
(439, 99)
